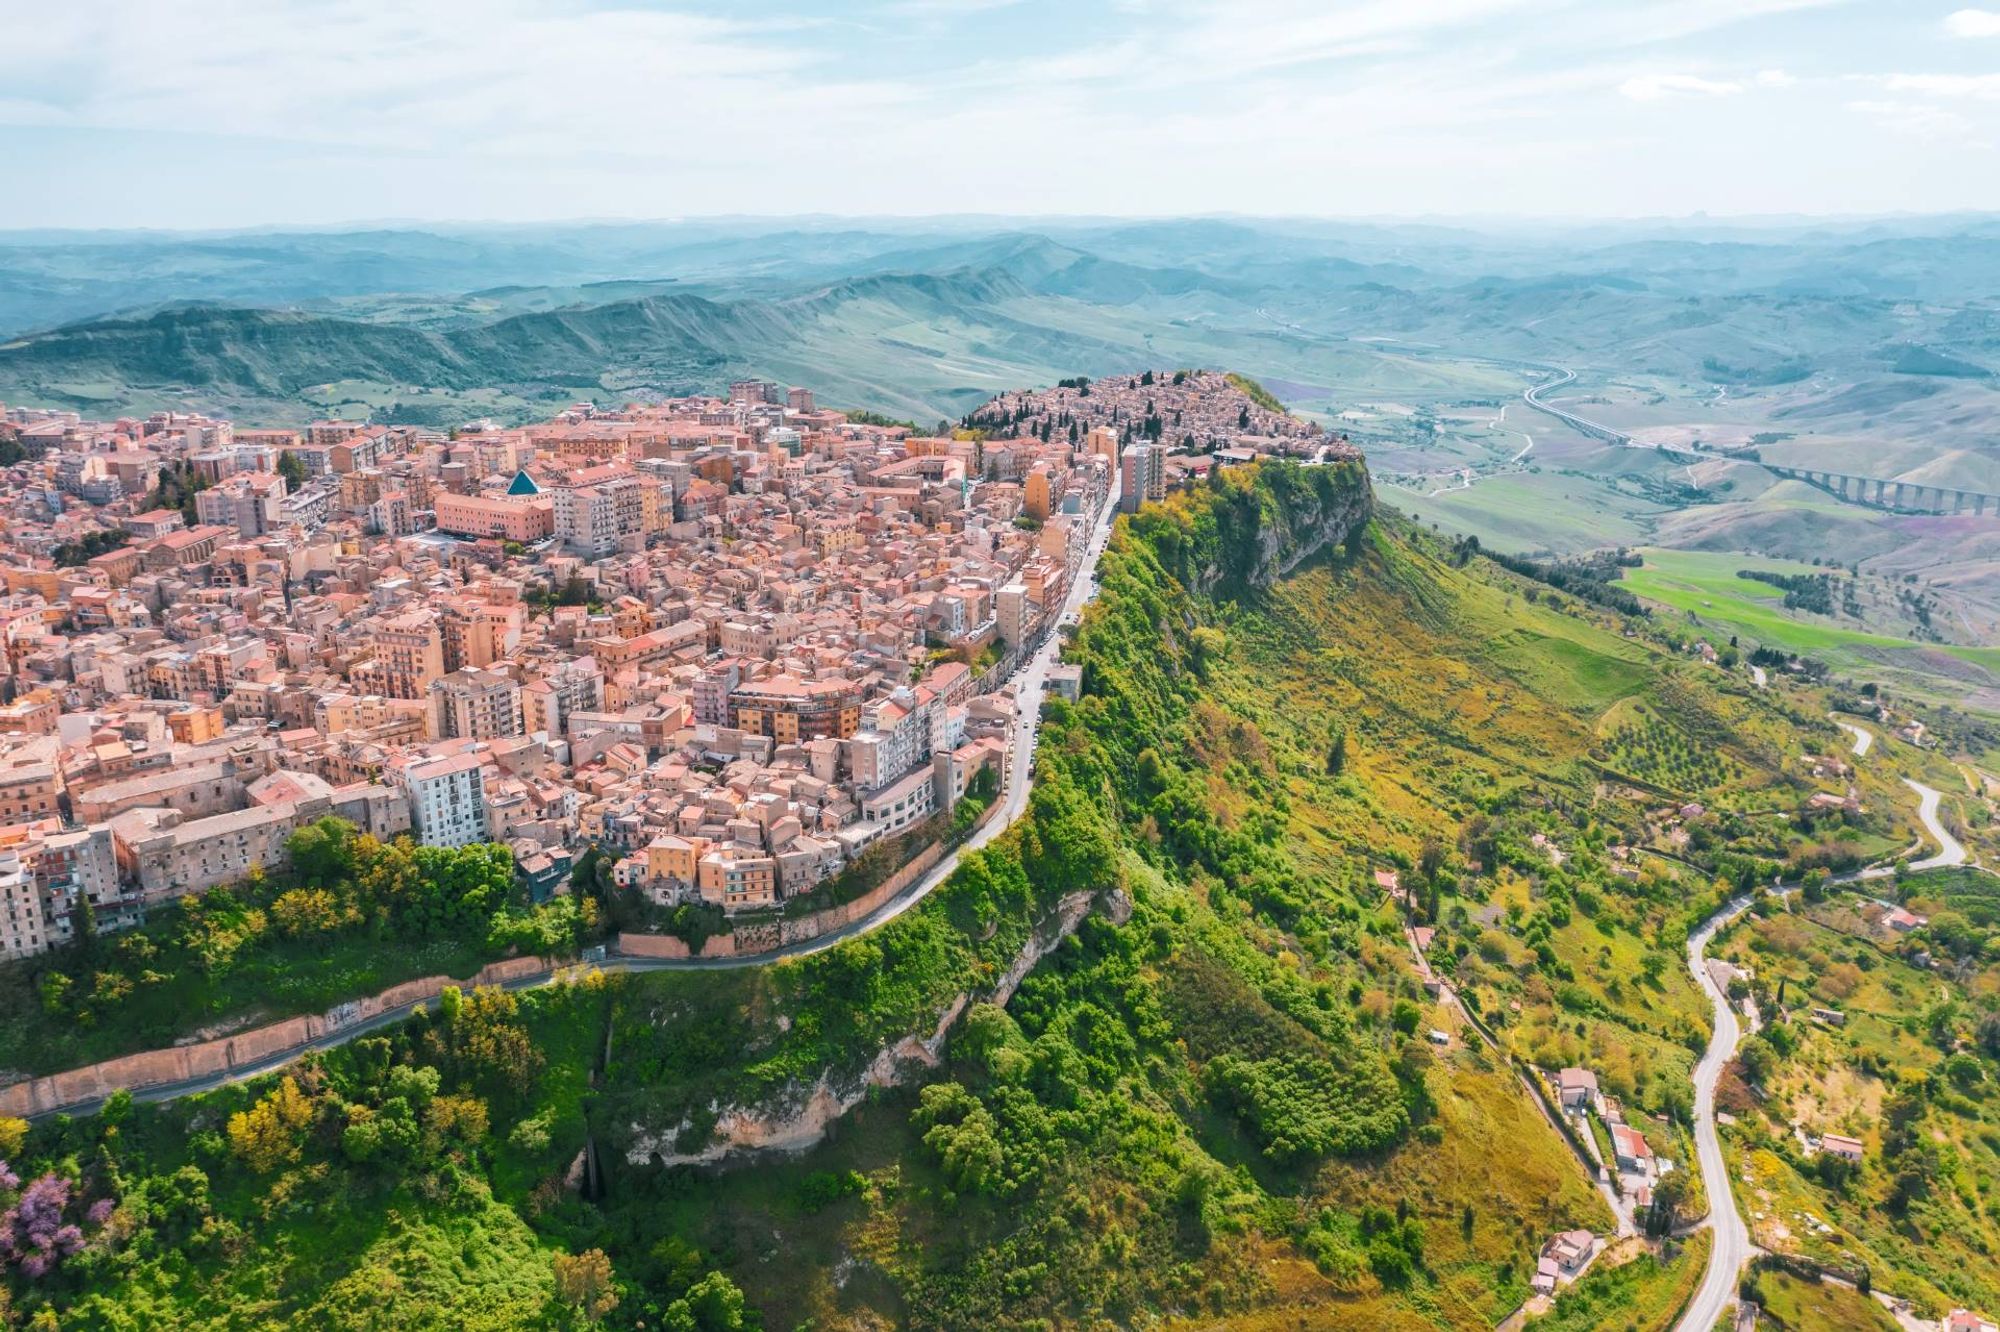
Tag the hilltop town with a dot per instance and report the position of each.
(730, 644)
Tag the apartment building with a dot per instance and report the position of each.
(789, 709)
(409, 654)
(253, 504)
(29, 789)
(447, 799)
(737, 880)
(1142, 476)
(166, 856)
(474, 704)
(24, 930)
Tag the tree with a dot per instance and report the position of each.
(269, 1133)
(293, 469)
(323, 852)
(1759, 1059)
(712, 1304)
(481, 1038)
(1336, 753)
(83, 924)
(1989, 1034)
(964, 1134)
(1670, 1193)
(584, 1282)
(1405, 1016)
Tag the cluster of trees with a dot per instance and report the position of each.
(1655, 750)
(1591, 577)
(176, 489)
(1807, 592)
(42, 1224)
(89, 546)
(13, 450)
(1298, 1107)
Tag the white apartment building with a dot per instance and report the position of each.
(447, 799)
(253, 505)
(591, 520)
(24, 931)
(901, 804)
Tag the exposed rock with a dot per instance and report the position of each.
(744, 1130)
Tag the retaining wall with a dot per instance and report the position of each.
(243, 1050)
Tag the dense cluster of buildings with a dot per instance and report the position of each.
(1165, 429)
(732, 641)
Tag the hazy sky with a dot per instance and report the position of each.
(213, 113)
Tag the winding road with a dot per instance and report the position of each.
(1864, 738)
(1029, 684)
(1950, 851)
(1732, 1237)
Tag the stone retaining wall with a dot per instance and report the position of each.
(259, 1045)
(245, 1049)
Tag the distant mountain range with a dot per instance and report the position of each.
(927, 319)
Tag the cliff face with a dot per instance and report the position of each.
(1326, 512)
(803, 1119)
(1255, 527)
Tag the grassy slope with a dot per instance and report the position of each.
(280, 980)
(1795, 1305)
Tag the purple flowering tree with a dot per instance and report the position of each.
(34, 1236)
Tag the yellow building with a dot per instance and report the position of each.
(1037, 500)
(673, 858)
(736, 880)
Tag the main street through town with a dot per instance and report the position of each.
(1029, 685)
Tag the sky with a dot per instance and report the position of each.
(240, 113)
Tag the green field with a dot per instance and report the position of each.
(1535, 510)
(1704, 586)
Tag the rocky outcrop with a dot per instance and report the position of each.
(794, 1126)
(1285, 515)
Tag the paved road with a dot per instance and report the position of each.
(1583, 424)
(1864, 738)
(1732, 1237)
(1029, 684)
(1950, 852)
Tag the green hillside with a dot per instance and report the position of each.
(1214, 1103)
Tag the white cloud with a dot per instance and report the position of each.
(443, 75)
(1924, 120)
(540, 108)
(1973, 23)
(1977, 87)
(1653, 87)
